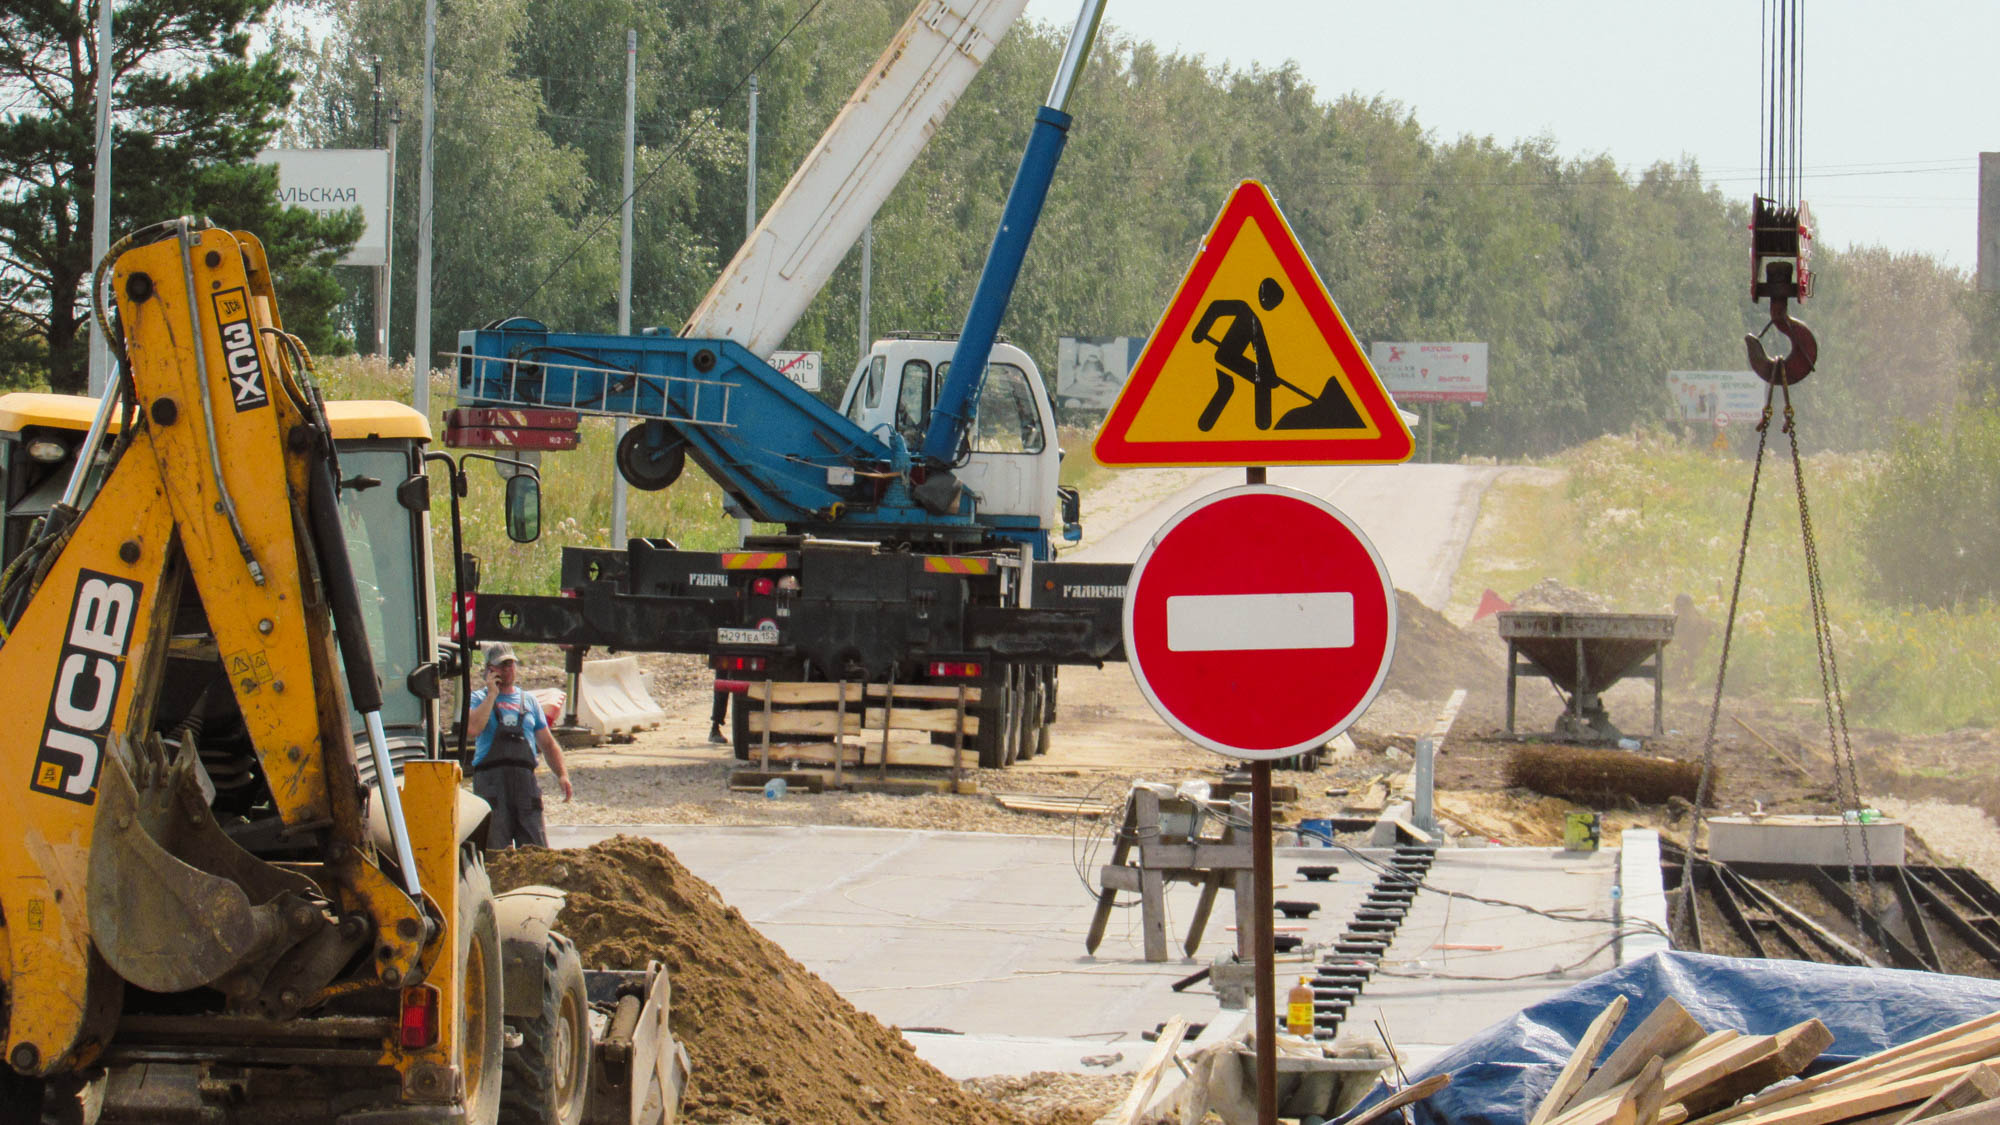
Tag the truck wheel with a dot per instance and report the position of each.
(739, 728)
(992, 709)
(547, 1076)
(479, 1026)
(1028, 710)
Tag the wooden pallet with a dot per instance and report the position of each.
(865, 725)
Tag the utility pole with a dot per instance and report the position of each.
(100, 202)
(420, 344)
(384, 305)
(867, 281)
(1988, 258)
(749, 228)
(618, 486)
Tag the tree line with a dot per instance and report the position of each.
(1588, 282)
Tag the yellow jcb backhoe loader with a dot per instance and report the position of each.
(214, 906)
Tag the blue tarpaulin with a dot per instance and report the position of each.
(1500, 1075)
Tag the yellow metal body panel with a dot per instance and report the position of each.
(351, 420)
(430, 804)
(94, 642)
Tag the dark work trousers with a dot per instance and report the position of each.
(516, 799)
(505, 780)
(719, 714)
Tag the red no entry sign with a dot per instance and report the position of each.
(1260, 622)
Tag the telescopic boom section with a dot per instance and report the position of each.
(839, 186)
(953, 414)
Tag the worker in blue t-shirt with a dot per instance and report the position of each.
(508, 726)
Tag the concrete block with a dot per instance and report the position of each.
(1799, 839)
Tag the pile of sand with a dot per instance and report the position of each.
(769, 1042)
(1551, 595)
(1433, 656)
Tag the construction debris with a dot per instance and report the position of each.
(1658, 1077)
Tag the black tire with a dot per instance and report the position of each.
(481, 1014)
(991, 742)
(739, 728)
(1027, 709)
(650, 463)
(547, 1077)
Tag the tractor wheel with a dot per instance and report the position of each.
(480, 1017)
(547, 1077)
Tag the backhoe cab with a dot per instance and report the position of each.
(241, 883)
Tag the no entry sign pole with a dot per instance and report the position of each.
(1260, 648)
(1265, 937)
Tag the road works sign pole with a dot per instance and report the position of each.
(1261, 879)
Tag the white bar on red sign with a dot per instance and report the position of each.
(1259, 622)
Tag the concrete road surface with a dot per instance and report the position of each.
(1418, 516)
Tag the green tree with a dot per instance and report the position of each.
(192, 107)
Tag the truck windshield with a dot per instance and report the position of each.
(1007, 421)
(381, 544)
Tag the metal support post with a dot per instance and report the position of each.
(420, 342)
(1267, 985)
(1423, 811)
(100, 201)
(618, 485)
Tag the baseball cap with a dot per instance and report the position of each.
(499, 652)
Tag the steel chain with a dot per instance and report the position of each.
(1846, 775)
(1722, 667)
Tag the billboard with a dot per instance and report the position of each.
(327, 180)
(1418, 372)
(1091, 369)
(1717, 396)
(800, 367)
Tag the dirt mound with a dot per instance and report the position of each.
(1433, 656)
(1551, 595)
(769, 1042)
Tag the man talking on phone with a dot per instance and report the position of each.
(511, 735)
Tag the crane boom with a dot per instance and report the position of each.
(839, 186)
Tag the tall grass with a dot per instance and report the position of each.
(1642, 518)
(576, 493)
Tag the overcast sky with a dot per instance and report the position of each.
(1899, 97)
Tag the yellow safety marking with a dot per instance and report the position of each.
(755, 560)
(957, 564)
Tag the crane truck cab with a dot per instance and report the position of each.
(1011, 460)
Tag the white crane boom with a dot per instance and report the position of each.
(859, 160)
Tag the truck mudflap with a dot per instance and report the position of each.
(638, 1072)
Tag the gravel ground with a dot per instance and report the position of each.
(1959, 833)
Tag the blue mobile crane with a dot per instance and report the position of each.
(921, 519)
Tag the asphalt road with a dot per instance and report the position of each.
(1418, 516)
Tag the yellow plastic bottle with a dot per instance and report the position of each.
(1299, 1009)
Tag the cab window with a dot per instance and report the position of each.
(913, 401)
(868, 395)
(1006, 421)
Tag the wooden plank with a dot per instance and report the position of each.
(803, 722)
(1408, 1095)
(1577, 1069)
(925, 754)
(938, 720)
(1822, 1107)
(784, 692)
(1690, 1070)
(1797, 1047)
(1981, 1083)
(1641, 1103)
(1979, 1113)
(930, 693)
(1932, 1045)
(1148, 1078)
(1446, 718)
(1666, 1029)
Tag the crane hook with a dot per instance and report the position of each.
(1794, 365)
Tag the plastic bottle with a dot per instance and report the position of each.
(1299, 1009)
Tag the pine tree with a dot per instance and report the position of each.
(192, 107)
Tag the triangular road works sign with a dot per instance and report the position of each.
(1251, 363)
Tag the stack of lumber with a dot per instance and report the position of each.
(917, 730)
(1671, 1070)
(1049, 804)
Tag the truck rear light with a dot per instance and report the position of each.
(739, 664)
(955, 670)
(418, 1027)
(789, 584)
(763, 586)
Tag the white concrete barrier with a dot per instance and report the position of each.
(612, 696)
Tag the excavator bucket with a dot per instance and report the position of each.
(637, 1071)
